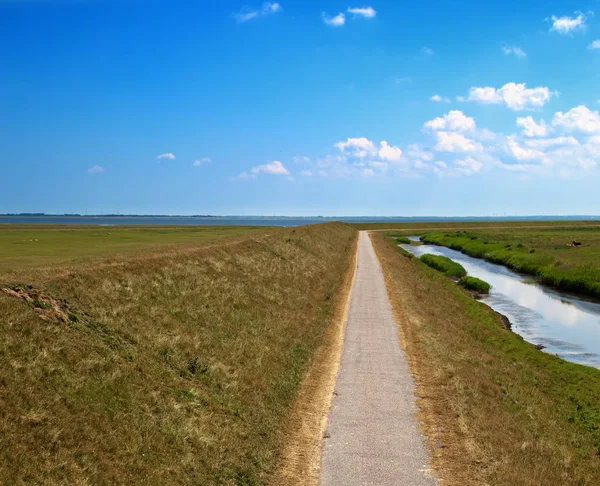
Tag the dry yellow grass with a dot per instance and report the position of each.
(178, 367)
(496, 410)
(300, 459)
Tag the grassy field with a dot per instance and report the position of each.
(31, 247)
(176, 360)
(496, 410)
(545, 253)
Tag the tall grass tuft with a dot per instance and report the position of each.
(473, 283)
(444, 265)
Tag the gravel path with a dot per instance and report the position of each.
(372, 435)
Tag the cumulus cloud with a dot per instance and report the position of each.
(580, 118)
(306, 173)
(454, 120)
(389, 152)
(531, 128)
(362, 147)
(455, 142)
(336, 21)
(366, 12)
(515, 96)
(439, 99)
(517, 51)
(521, 153)
(250, 13)
(357, 147)
(168, 156)
(595, 44)
(95, 169)
(275, 168)
(568, 25)
(202, 161)
(426, 51)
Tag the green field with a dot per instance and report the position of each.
(158, 355)
(25, 248)
(545, 253)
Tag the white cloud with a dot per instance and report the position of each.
(306, 173)
(531, 128)
(274, 167)
(522, 153)
(580, 118)
(95, 169)
(426, 51)
(439, 99)
(382, 166)
(368, 172)
(455, 142)
(416, 151)
(514, 96)
(544, 143)
(453, 120)
(169, 156)
(595, 44)
(468, 166)
(357, 147)
(203, 160)
(302, 159)
(366, 12)
(517, 51)
(568, 25)
(389, 152)
(337, 21)
(249, 13)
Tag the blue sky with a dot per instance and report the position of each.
(300, 107)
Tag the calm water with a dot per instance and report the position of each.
(566, 325)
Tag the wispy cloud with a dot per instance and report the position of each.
(202, 161)
(250, 13)
(426, 51)
(568, 25)
(517, 51)
(95, 169)
(338, 21)
(366, 12)
(439, 99)
(168, 156)
(595, 44)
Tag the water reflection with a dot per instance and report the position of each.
(566, 325)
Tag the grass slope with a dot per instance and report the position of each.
(544, 253)
(497, 411)
(180, 367)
